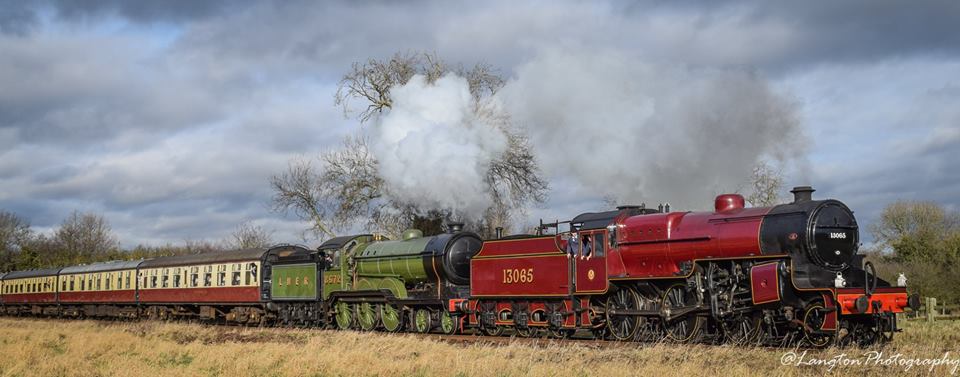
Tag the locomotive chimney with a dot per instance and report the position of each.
(454, 227)
(660, 208)
(666, 207)
(499, 232)
(802, 194)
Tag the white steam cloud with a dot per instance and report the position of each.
(640, 131)
(433, 148)
(603, 124)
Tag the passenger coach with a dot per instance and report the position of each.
(31, 292)
(99, 289)
(233, 285)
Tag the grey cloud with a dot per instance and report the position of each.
(87, 88)
(16, 18)
(171, 122)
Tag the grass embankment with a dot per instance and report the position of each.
(30, 347)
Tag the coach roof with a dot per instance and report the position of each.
(31, 273)
(102, 267)
(206, 258)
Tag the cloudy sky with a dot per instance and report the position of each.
(168, 117)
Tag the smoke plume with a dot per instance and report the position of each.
(433, 147)
(641, 131)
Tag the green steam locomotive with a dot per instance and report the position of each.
(368, 283)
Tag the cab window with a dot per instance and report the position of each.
(598, 245)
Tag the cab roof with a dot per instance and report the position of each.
(339, 242)
(597, 220)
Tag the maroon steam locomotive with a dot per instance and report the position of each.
(771, 275)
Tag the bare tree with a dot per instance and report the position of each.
(249, 236)
(350, 178)
(766, 183)
(14, 233)
(371, 82)
(85, 237)
(298, 190)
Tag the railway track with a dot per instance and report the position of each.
(534, 342)
(581, 339)
(458, 339)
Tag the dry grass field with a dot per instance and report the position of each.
(30, 347)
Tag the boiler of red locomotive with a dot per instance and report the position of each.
(820, 236)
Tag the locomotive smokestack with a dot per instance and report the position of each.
(499, 232)
(454, 227)
(802, 194)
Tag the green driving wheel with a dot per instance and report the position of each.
(368, 316)
(391, 317)
(448, 323)
(422, 321)
(344, 317)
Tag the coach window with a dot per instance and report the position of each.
(107, 281)
(253, 272)
(194, 276)
(236, 276)
(207, 279)
(176, 280)
(221, 276)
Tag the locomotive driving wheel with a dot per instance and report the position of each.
(391, 317)
(422, 321)
(743, 329)
(449, 323)
(685, 327)
(344, 316)
(814, 317)
(368, 316)
(622, 326)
